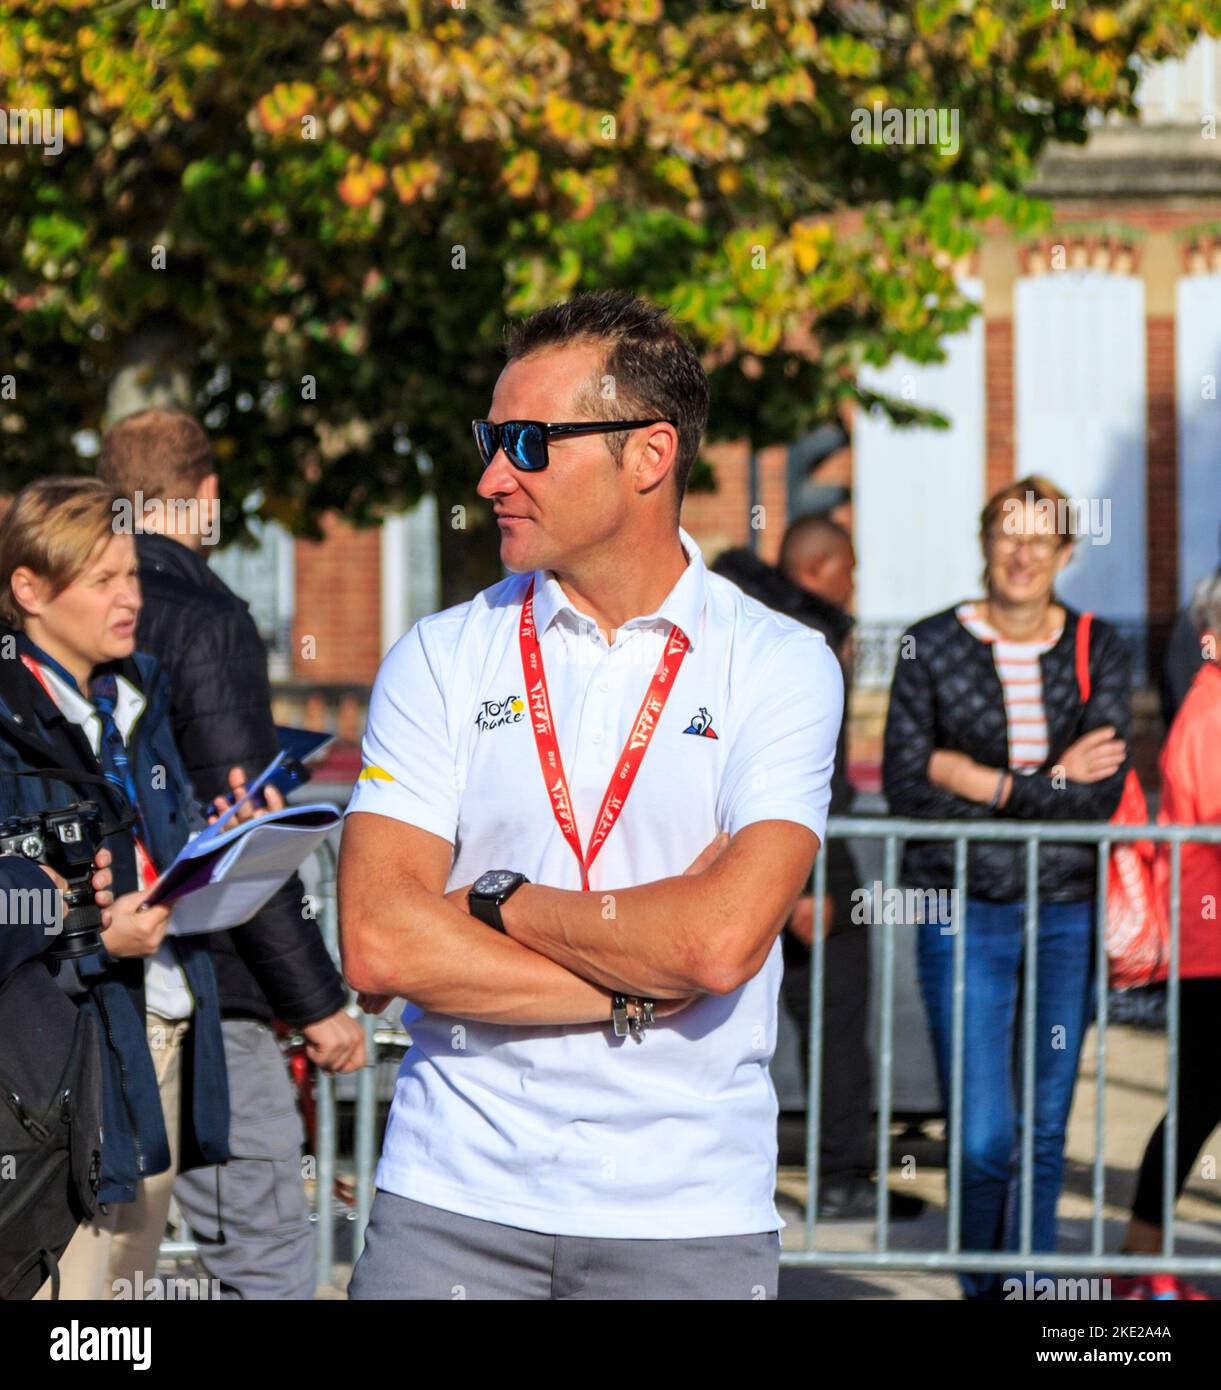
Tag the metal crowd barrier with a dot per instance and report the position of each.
(891, 831)
(1030, 833)
(326, 1136)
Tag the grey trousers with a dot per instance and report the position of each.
(249, 1216)
(414, 1251)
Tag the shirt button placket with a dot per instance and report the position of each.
(601, 687)
(594, 712)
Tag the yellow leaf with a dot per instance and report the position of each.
(1103, 25)
(520, 174)
(416, 179)
(355, 189)
(807, 256)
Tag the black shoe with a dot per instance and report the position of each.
(856, 1199)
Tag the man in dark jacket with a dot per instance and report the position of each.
(250, 1218)
(813, 584)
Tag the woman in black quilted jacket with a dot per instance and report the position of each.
(986, 720)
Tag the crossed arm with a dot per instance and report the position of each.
(565, 952)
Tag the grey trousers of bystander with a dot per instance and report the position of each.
(414, 1251)
(249, 1216)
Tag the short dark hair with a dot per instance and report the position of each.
(655, 370)
(813, 526)
(160, 453)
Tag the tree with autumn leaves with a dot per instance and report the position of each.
(309, 219)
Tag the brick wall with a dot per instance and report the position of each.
(773, 494)
(999, 432)
(1161, 496)
(719, 520)
(338, 605)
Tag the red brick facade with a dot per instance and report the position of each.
(1161, 494)
(998, 407)
(337, 607)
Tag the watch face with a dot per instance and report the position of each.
(494, 882)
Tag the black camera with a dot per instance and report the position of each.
(66, 840)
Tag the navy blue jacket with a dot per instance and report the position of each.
(35, 734)
(20, 941)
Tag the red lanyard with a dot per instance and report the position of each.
(633, 750)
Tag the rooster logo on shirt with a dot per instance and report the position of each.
(701, 725)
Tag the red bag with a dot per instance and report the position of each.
(1137, 933)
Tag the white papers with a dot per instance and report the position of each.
(221, 880)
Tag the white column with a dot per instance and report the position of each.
(281, 663)
(1079, 360)
(918, 493)
(1197, 376)
(410, 569)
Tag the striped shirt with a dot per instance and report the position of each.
(1017, 665)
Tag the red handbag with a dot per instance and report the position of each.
(1136, 932)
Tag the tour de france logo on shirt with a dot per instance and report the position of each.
(493, 713)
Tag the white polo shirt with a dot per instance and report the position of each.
(570, 1130)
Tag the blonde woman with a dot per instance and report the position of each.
(986, 721)
(76, 697)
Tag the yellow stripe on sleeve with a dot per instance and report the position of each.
(374, 774)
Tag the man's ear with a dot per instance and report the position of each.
(808, 571)
(656, 455)
(209, 489)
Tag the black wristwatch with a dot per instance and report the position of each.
(491, 889)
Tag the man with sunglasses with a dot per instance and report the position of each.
(589, 799)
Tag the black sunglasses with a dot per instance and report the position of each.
(525, 441)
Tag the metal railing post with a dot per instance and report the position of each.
(818, 961)
(886, 1045)
(1029, 1016)
(1171, 1132)
(366, 1114)
(958, 999)
(1100, 1079)
(324, 1142)
(326, 1135)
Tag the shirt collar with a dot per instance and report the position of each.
(26, 644)
(682, 606)
(128, 706)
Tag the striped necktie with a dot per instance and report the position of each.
(112, 751)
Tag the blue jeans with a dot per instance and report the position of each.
(992, 1065)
